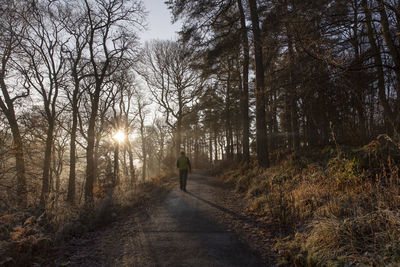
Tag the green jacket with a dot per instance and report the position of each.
(183, 163)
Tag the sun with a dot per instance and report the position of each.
(119, 136)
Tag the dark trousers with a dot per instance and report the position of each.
(183, 174)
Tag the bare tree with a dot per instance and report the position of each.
(127, 85)
(142, 111)
(167, 68)
(111, 44)
(12, 31)
(60, 145)
(76, 30)
(45, 72)
(160, 133)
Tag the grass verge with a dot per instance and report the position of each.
(28, 237)
(334, 207)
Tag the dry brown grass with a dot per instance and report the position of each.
(331, 212)
(26, 236)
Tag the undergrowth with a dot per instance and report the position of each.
(334, 207)
(68, 221)
(26, 237)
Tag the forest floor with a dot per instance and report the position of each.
(206, 226)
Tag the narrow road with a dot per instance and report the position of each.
(184, 230)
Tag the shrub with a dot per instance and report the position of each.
(344, 171)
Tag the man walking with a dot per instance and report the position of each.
(183, 164)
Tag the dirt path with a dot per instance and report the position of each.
(197, 228)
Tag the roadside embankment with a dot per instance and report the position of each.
(34, 236)
(332, 206)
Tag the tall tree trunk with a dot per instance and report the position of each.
(294, 125)
(47, 164)
(72, 153)
(288, 119)
(144, 147)
(71, 195)
(125, 167)
(196, 148)
(96, 155)
(395, 55)
(210, 148)
(228, 120)
(244, 100)
(393, 48)
(261, 127)
(178, 138)
(19, 164)
(272, 121)
(269, 120)
(19, 161)
(358, 87)
(132, 174)
(238, 148)
(90, 159)
(222, 147)
(372, 112)
(116, 165)
(275, 127)
(179, 123)
(57, 168)
(144, 164)
(311, 128)
(215, 145)
(389, 114)
(90, 167)
(7, 106)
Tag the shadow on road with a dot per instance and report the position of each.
(208, 182)
(183, 233)
(228, 211)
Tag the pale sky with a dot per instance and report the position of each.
(159, 22)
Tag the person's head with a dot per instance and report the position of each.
(182, 153)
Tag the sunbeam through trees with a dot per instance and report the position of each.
(90, 113)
